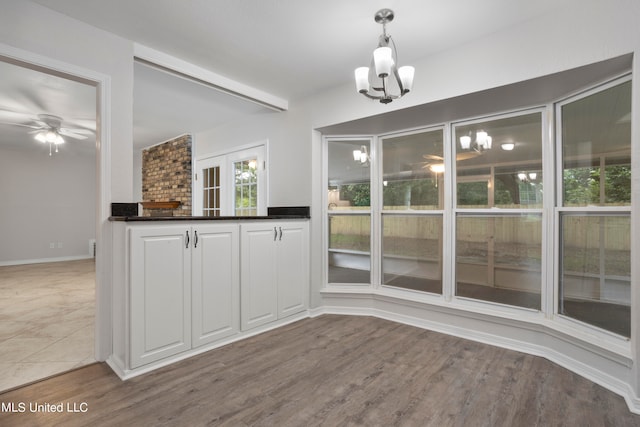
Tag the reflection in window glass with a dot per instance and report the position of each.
(596, 270)
(349, 248)
(349, 175)
(596, 145)
(499, 163)
(413, 171)
(498, 258)
(412, 252)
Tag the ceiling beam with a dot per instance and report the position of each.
(181, 68)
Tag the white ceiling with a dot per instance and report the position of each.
(288, 48)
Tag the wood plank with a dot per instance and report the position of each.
(333, 370)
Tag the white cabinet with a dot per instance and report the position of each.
(184, 288)
(215, 283)
(160, 274)
(274, 271)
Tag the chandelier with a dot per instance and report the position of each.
(51, 137)
(482, 142)
(383, 80)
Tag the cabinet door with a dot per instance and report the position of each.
(215, 282)
(258, 286)
(293, 268)
(160, 284)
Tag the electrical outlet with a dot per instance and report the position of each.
(52, 245)
(59, 245)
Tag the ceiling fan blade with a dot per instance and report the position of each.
(80, 131)
(32, 100)
(75, 135)
(467, 155)
(21, 125)
(432, 157)
(14, 117)
(87, 124)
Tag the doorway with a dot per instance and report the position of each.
(49, 184)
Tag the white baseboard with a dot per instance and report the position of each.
(43, 260)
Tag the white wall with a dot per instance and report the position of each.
(46, 200)
(289, 151)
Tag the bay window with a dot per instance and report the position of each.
(525, 212)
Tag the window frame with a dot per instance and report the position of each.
(560, 210)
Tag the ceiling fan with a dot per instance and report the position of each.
(47, 128)
(436, 163)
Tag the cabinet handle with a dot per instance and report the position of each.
(280, 237)
(187, 239)
(195, 239)
(275, 234)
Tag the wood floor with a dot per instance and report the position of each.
(332, 371)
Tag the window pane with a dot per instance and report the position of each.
(412, 252)
(349, 248)
(499, 163)
(498, 258)
(596, 270)
(596, 144)
(413, 171)
(211, 191)
(246, 187)
(349, 177)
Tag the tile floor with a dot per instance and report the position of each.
(46, 320)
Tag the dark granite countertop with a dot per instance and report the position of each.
(203, 218)
(126, 212)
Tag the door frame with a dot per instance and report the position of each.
(225, 160)
(102, 84)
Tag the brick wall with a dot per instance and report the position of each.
(166, 174)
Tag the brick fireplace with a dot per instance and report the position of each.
(166, 177)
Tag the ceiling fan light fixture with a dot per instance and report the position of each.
(437, 167)
(388, 82)
(41, 137)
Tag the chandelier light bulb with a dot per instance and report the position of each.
(465, 142)
(406, 74)
(383, 60)
(362, 79)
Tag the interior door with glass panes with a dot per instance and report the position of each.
(211, 186)
(233, 184)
